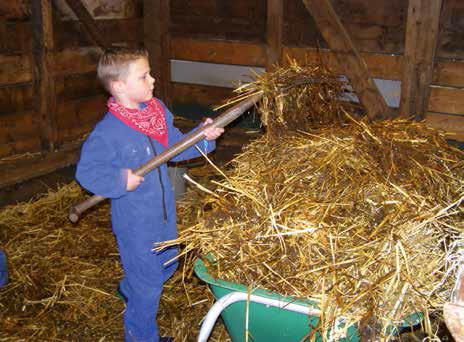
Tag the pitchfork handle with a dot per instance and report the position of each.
(221, 121)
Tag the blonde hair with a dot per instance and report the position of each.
(114, 64)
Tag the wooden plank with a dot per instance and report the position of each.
(71, 34)
(76, 61)
(19, 98)
(17, 126)
(16, 99)
(378, 65)
(234, 20)
(446, 100)
(78, 117)
(274, 31)
(376, 26)
(24, 146)
(80, 111)
(42, 48)
(451, 124)
(15, 69)
(419, 55)
(451, 42)
(88, 23)
(348, 56)
(13, 9)
(38, 164)
(449, 73)
(157, 42)
(199, 94)
(75, 87)
(218, 51)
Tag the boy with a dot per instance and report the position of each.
(136, 128)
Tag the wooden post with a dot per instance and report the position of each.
(156, 20)
(348, 58)
(89, 24)
(274, 24)
(43, 81)
(419, 54)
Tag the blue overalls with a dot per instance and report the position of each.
(139, 218)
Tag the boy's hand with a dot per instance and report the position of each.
(133, 181)
(212, 133)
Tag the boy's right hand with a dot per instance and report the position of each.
(133, 181)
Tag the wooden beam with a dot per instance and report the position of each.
(88, 23)
(16, 69)
(453, 125)
(199, 94)
(384, 66)
(218, 51)
(38, 164)
(44, 83)
(156, 19)
(446, 100)
(348, 57)
(419, 55)
(274, 29)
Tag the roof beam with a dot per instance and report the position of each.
(419, 54)
(89, 24)
(348, 58)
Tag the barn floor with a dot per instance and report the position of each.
(75, 300)
(52, 308)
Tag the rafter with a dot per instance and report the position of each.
(348, 58)
(88, 23)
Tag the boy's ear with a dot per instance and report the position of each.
(117, 86)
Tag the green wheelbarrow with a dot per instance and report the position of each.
(264, 315)
(267, 316)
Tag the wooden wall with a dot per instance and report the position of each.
(78, 101)
(219, 31)
(378, 32)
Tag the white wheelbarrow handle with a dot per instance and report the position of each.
(224, 302)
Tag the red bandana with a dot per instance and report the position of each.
(149, 120)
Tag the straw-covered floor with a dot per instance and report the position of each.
(365, 218)
(63, 277)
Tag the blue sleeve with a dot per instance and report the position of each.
(97, 171)
(206, 146)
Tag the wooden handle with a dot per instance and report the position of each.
(221, 121)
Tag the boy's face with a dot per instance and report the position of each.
(137, 86)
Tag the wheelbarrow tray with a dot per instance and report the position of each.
(268, 323)
(265, 323)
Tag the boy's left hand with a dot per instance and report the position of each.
(212, 133)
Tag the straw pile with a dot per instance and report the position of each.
(297, 96)
(363, 218)
(63, 277)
